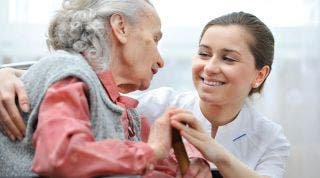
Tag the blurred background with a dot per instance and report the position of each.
(290, 97)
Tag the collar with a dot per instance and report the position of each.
(238, 128)
(107, 80)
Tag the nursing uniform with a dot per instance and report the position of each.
(251, 137)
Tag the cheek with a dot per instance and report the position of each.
(196, 66)
(241, 77)
(194, 70)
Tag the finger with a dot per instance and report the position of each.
(22, 96)
(3, 115)
(200, 144)
(6, 131)
(18, 72)
(8, 126)
(6, 119)
(194, 137)
(189, 119)
(2, 130)
(190, 133)
(16, 118)
(175, 110)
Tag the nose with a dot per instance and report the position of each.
(160, 61)
(212, 66)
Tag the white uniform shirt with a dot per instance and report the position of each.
(252, 138)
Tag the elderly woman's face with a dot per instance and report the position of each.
(141, 58)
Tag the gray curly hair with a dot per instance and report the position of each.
(80, 26)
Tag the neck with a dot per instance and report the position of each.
(219, 115)
(121, 81)
(117, 69)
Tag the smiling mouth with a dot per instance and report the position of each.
(212, 83)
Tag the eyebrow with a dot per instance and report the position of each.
(204, 46)
(231, 50)
(224, 49)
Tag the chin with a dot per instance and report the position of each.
(207, 97)
(144, 86)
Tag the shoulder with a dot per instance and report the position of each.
(264, 132)
(58, 65)
(271, 145)
(55, 67)
(60, 61)
(154, 102)
(166, 96)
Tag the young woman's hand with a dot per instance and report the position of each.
(191, 130)
(11, 122)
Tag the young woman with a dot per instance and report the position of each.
(234, 59)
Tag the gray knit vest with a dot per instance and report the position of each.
(16, 157)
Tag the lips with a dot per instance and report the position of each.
(215, 83)
(212, 82)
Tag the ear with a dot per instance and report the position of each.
(261, 76)
(119, 27)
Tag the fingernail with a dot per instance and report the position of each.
(20, 138)
(25, 107)
(12, 138)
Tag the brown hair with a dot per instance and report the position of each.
(262, 47)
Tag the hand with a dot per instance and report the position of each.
(160, 136)
(198, 168)
(197, 136)
(11, 122)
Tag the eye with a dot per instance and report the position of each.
(203, 54)
(229, 59)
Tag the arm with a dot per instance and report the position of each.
(228, 165)
(10, 119)
(273, 161)
(63, 140)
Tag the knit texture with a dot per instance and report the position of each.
(105, 116)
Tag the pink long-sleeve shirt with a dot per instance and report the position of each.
(66, 147)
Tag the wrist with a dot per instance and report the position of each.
(156, 152)
(223, 156)
(223, 160)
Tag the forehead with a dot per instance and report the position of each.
(149, 18)
(231, 36)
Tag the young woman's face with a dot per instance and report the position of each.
(224, 68)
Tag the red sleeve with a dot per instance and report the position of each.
(65, 146)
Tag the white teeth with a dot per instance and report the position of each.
(213, 83)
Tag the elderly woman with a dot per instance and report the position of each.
(78, 124)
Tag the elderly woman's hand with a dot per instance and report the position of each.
(11, 122)
(160, 136)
